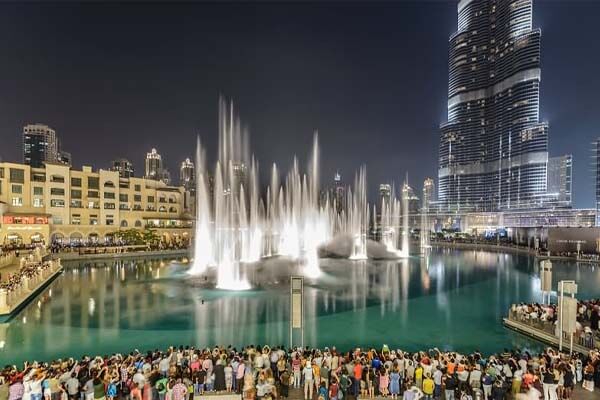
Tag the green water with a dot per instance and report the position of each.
(452, 299)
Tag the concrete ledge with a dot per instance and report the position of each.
(542, 336)
(14, 308)
(487, 247)
(133, 254)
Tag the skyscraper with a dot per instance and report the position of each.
(40, 145)
(493, 148)
(186, 174)
(385, 194)
(124, 167)
(560, 178)
(596, 158)
(428, 192)
(154, 165)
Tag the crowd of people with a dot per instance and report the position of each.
(546, 315)
(29, 270)
(256, 372)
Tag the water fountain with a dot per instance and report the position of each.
(236, 228)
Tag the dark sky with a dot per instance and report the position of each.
(115, 80)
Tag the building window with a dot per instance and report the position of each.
(38, 177)
(57, 191)
(162, 209)
(138, 188)
(17, 201)
(38, 191)
(123, 197)
(109, 206)
(57, 203)
(56, 220)
(124, 206)
(93, 204)
(18, 189)
(138, 224)
(76, 204)
(93, 194)
(75, 194)
(137, 207)
(109, 195)
(76, 182)
(17, 175)
(76, 219)
(93, 220)
(109, 184)
(110, 220)
(93, 182)
(124, 185)
(2, 173)
(57, 178)
(37, 202)
(137, 197)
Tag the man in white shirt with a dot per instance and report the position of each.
(307, 372)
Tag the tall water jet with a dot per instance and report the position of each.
(357, 215)
(203, 252)
(405, 252)
(424, 235)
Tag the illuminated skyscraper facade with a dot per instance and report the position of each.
(493, 149)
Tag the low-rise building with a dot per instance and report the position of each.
(56, 203)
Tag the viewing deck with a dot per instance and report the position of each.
(544, 332)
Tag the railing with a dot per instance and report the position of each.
(586, 339)
(11, 298)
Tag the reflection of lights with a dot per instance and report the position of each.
(50, 293)
(91, 306)
(24, 319)
(2, 343)
(39, 304)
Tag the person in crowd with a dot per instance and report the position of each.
(181, 372)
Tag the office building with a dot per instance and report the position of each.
(40, 145)
(560, 178)
(385, 194)
(124, 167)
(187, 177)
(428, 193)
(493, 149)
(154, 165)
(64, 157)
(59, 204)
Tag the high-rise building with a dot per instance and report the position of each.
(596, 157)
(338, 192)
(385, 194)
(560, 178)
(493, 148)
(186, 174)
(40, 145)
(124, 167)
(154, 165)
(64, 157)
(428, 192)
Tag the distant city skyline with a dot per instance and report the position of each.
(153, 82)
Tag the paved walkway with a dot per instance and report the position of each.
(578, 394)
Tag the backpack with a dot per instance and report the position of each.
(160, 386)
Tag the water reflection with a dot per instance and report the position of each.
(445, 298)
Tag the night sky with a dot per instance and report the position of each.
(115, 80)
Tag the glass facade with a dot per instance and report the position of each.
(493, 148)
